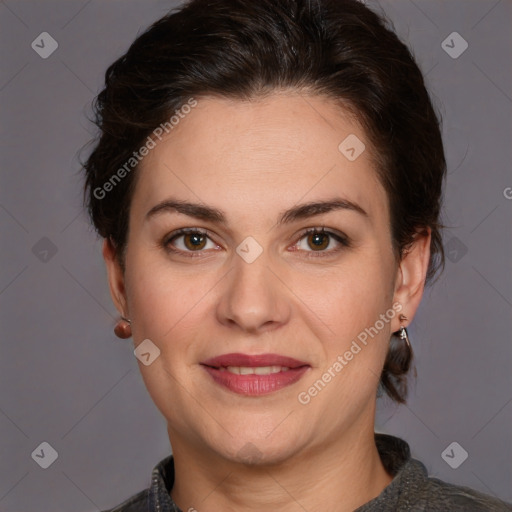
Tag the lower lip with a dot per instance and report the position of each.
(255, 385)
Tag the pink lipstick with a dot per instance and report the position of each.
(254, 375)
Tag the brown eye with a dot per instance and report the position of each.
(189, 240)
(194, 241)
(318, 241)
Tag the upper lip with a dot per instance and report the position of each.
(237, 359)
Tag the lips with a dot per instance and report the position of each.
(255, 361)
(254, 375)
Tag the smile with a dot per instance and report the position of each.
(258, 370)
(254, 375)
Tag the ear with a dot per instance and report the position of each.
(411, 275)
(115, 277)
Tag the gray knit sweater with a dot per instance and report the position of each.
(411, 489)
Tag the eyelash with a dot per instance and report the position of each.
(341, 239)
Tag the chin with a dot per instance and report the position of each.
(261, 453)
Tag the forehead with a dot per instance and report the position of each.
(283, 148)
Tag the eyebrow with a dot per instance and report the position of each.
(299, 212)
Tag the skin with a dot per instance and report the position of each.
(253, 160)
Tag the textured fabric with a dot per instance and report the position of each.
(411, 489)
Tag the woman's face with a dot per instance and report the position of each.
(257, 283)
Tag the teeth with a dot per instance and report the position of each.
(257, 370)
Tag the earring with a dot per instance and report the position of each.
(123, 328)
(403, 332)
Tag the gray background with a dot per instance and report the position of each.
(67, 380)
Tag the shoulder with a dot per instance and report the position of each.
(440, 496)
(156, 496)
(136, 503)
(414, 490)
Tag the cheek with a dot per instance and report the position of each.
(353, 294)
(162, 298)
(166, 308)
(350, 301)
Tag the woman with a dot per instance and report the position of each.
(268, 184)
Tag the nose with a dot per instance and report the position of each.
(253, 298)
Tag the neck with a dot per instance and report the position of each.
(339, 477)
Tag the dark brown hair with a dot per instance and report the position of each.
(246, 49)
